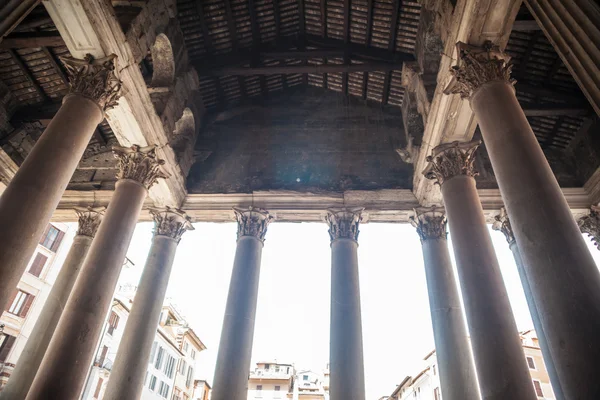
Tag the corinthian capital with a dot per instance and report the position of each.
(590, 224)
(451, 159)
(252, 222)
(140, 164)
(171, 222)
(343, 224)
(89, 220)
(476, 66)
(502, 224)
(95, 79)
(430, 223)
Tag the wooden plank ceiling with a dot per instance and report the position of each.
(248, 48)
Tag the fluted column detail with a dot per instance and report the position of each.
(502, 224)
(31, 197)
(64, 368)
(235, 348)
(347, 379)
(129, 368)
(485, 299)
(456, 369)
(31, 357)
(536, 205)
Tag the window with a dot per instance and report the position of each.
(305, 377)
(530, 363)
(163, 389)
(277, 394)
(6, 344)
(267, 366)
(152, 353)
(38, 264)
(277, 368)
(51, 238)
(21, 303)
(98, 388)
(169, 366)
(102, 356)
(190, 376)
(181, 367)
(288, 370)
(159, 358)
(538, 388)
(186, 346)
(113, 322)
(193, 354)
(259, 388)
(152, 384)
(436, 394)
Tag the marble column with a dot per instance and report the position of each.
(590, 225)
(563, 276)
(31, 357)
(31, 197)
(129, 369)
(347, 371)
(235, 348)
(502, 224)
(65, 366)
(458, 380)
(500, 363)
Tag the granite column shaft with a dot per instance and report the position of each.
(129, 369)
(235, 348)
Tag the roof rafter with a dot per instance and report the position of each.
(234, 42)
(368, 43)
(324, 33)
(32, 39)
(346, 40)
(17, 59)
(256, 42)
(50, 56)
(391, 47)
(299, 69)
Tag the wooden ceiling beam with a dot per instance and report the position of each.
(256, 43)
(346, 40)
(25, 70)
(13, 13)
(277, 16)
(299, 69)
(301, 19)
(368, 43)
(549, 91)
(391, 48)
(50, 56)
(355, 49)
(526, 25)
(234, 41)
(550, 138)
(324, 34)
(549, 110)
(32, 39)
(205, 32)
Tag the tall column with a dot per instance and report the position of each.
(499, 359)
(129, 369)
(457, 372)
(502, 224)
(347, 371)
(564, 278)
(31, 357)
(64, 368)
(590, 225)
(28, 202)
(235, 349)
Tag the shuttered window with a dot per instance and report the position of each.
(21, 303)
(538, 388)
(98, 388)
(52, 237)
(113, 322)
(38, 264)
(6, 344)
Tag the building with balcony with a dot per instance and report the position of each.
(271, 380)
(170, 371)
(28, 299)
(201, 390)
(310, 385)
(425, 385)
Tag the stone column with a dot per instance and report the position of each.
(499, 359)
(590, 225)
(347, 371)
(564, 278)
(28, 202)
(502, 224)
(31, 357)
(457, 373)
(129, 369)
(65, 366)
(235, 349)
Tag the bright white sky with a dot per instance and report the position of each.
(292, 323)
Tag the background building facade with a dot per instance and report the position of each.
(18, 320)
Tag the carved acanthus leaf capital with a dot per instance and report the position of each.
(344, 223)
(430, 223)
(89, 220)
(171, 222)
(476, 66)
(252, 222)
(140, 164)
(451, 159)
(95, 79)
(502, 224)
(590, 225)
